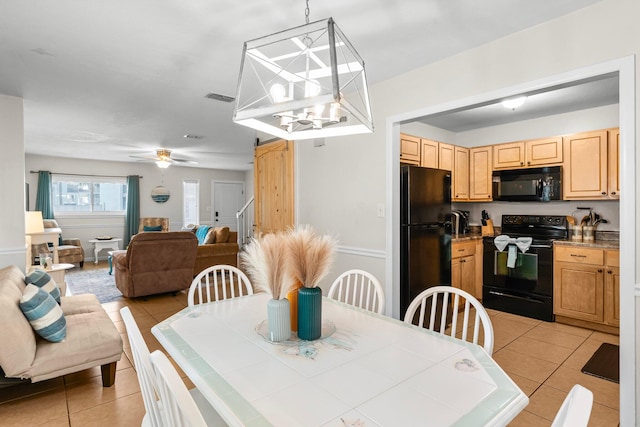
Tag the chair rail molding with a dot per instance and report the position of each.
(369, 253)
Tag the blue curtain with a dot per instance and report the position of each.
(44, 202)
(133, 208)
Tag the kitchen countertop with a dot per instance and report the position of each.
(602, 244)
(465, 237)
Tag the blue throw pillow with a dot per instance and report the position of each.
(44, 314)
(152, 228)
(201, 233)
(42, 280)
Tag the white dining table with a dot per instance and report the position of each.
(366, 370)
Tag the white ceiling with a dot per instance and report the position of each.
(110, 79)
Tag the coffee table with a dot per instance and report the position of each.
(99, 244)
(56, 272)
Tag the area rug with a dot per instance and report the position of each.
(93, 281)
(605, 363)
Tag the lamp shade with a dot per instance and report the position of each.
(33, 222)
(305, 82)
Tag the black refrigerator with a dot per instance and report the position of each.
(425, 238)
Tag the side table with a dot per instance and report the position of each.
(99, 245)
(56, 272)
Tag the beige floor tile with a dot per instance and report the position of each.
(605, 392)
(159, 317)
(546, 402)
(532, 368)
(82, 395)
(22, 390)
(549, 352)
(551, 336)
(160, 304)
(569, 329)
(526, 385)
(527, 419)
(34, 410)
(508, 317)
(506, 332)
(582, 354)
(603, 416)
(602, 337)
(123, 412)
(58, 422)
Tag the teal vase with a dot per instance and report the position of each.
(309, 313)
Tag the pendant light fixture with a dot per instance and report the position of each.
(305, 82)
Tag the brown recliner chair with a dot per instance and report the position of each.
(70, 251)
(155, 263)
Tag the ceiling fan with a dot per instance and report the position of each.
(163, 158)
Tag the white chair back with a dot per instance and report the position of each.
(439, 297)
(218, 282)
(144, 370)
(179, 408)
(359, 288)
(576, 408)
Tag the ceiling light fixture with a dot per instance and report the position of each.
(164, 158)
(302, 83)
(513, 103)
(163, 164)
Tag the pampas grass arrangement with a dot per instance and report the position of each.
(265, 259)
(309, 255)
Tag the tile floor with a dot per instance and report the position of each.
(544, 359)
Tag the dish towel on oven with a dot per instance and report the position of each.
(522, 243)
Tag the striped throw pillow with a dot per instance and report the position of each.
(41, 279)
(43, 313)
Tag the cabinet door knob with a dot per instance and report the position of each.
(609, 272)
(613, 193)
(604, 193)
(599, 270)
(521, 163)
(528, 163)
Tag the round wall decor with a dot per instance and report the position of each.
(160, 194)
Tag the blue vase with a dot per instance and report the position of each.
(279, 320)
(309, 313)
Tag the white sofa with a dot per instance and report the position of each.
(91, 339)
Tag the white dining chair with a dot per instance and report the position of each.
(218, 282)
(154, 406)
(360, 289)
(441, 296)
(576, 408)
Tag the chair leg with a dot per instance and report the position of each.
(81, 264)
(108, 374)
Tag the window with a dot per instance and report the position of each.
(88, 194)
(190, 201)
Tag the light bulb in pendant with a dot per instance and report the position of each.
(278, 93)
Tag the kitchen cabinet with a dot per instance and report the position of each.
(585, 172)
(445, 156)
(410, 147)
(532, 153)
(460, 174)
(464, 267)
(429, 153)
(587, 284)
(613, 175)
(480, 174)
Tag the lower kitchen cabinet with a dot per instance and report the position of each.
(465, 266)
(587, 284)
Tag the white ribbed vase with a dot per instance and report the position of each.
(279, 319)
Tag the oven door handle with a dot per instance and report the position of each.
(541, 246)
(502, 294)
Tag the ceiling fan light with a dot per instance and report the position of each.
(513, 103)
(163, 164)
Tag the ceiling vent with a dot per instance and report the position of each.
(219, 97)
(193, 136)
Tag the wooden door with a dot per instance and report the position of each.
(445, 156)
(585, 165)
(480, 174)
(508, 156)
(614, 164)
(409, 149)
(461, 174)
(578, 291)
(612, 296)
(273, 187)
(543, 151)
(429, 154)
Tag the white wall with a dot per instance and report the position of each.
(88, 227)
(12, 239)
(341, 183)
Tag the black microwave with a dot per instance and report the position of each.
(528, 185)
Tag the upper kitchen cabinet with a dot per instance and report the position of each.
(460, 174)
(429, 153)
(410, 147)
(587, 166)
(480, 174)
(537, 152)
(445, 156)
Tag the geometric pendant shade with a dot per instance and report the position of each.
(301, 83)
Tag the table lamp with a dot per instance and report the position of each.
(33, 223)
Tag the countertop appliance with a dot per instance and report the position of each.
(425, 238)
(459, 222)
(528, 184)
(525, 289)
